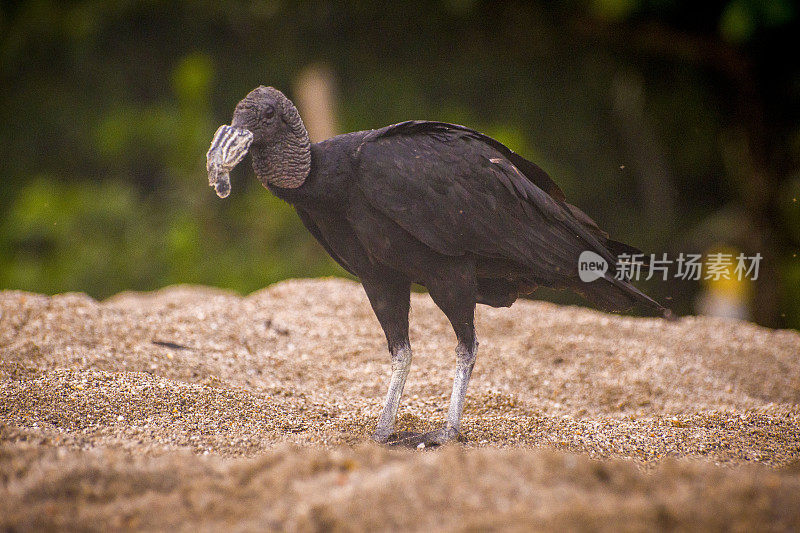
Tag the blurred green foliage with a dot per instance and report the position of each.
(108, 108)
(742, 18)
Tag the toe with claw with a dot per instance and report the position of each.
(431, 439)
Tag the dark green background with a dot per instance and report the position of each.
(673, 123)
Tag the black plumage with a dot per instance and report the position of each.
(436, 204)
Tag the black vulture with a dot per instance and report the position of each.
(430, 203)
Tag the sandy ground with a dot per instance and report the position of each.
(199, 409)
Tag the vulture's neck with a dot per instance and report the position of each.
(284, 163)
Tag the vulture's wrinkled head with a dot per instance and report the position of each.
(267, 114)
(266, 123)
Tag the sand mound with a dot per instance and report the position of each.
(196, 407)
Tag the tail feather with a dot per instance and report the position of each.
(611, 294)
(615, 247)
(620, 248)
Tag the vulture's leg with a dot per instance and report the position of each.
(466, 352)
(455, 295)
(390, 301)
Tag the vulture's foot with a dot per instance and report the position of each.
(384, 438)
(431, 439)
(393, 438)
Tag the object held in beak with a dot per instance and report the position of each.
(228, 148)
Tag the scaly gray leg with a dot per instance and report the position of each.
(465, 362)
(389, 295)
(401, 362)
(455, 294)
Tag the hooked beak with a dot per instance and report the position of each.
(228, 148)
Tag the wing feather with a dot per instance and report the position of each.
(459, 195)
(520, 177)
(443, 130)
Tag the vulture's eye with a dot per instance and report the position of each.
(269, 111)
